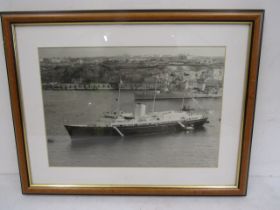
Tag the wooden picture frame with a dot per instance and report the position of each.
(13, 20)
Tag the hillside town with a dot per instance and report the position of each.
(137, 73)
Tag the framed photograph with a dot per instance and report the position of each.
(133, 102)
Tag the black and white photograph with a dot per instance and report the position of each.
(133, 106)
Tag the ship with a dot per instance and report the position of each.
(141, 122)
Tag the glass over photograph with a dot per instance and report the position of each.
(132, 106)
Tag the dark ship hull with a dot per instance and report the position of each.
(77, 131)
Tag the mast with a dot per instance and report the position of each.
(184, 96)
(119, 97)
(154, 101)
(183, 100)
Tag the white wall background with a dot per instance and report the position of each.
(264, 180)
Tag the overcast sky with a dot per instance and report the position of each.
(118, 51)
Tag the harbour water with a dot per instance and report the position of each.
(197, 148)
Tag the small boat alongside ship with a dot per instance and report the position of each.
(120, 123)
